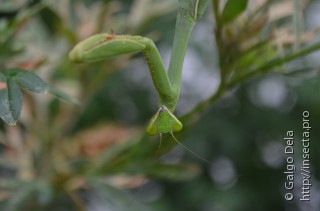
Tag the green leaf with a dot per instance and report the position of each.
(233, 9)
(11, 97)
(22, 193)
(63, 96)
(10, 100)
(275, 62)
(9, 184)
(15, 98)
(173, 172)
(194, 8)
(31, 81)
(21, 197)
(114, 199)
(44, 192)
(3, 95)
(104, 159)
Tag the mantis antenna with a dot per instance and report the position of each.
(189, 150)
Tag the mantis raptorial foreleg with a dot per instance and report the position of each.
(104, 46)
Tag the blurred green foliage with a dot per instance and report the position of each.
(96, 156)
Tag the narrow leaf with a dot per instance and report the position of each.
(4, 108)
(112, 198)
(107, 156)
(34, 83)
(233, 9)
(173, 172)
(10, 100)
(31, 81)
(276, 62)
(9, 184)
(21, 197)
(195, 8)
(15, 99)
(62, 95)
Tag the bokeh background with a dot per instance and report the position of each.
(96, 156)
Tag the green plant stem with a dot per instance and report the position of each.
(215, 8)
(297, 23)
(218, 39)
(78, 204)
(102, 17)
(224, 86)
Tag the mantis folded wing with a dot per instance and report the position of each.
(105, 46)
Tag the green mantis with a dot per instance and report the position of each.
(105, 46)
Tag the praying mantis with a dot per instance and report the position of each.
(167, 83)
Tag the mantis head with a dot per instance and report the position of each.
(163, 122)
